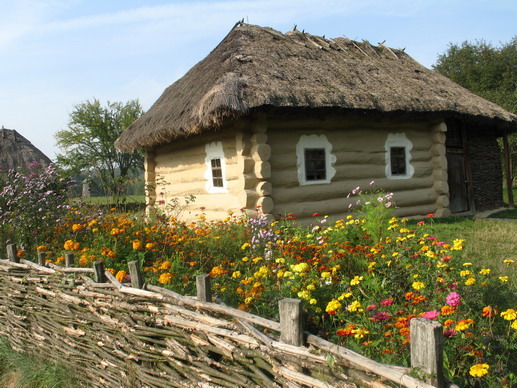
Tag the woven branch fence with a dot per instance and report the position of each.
(117, 335)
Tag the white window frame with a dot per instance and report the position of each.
(398, 140)
(314, 142)
(215, 151)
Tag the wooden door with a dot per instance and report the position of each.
(458, 183)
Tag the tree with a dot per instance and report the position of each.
(88, 143)
(488, 71)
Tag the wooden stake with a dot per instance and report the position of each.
(99, 275)
(41, 258)
(12, 253)
(204, 292)
(69, 259)
(291, 321)
(137, 281)
(427, 350)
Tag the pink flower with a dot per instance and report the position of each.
(381, 316)
(420, 223)
(453, 299)
(370, 307)
(386, 302)
(432, 315)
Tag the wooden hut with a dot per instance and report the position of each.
(294, 122)
(18, 152)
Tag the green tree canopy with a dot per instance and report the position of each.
(88, 143)
(488, 71)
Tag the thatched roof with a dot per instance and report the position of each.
(17, 152)
(257, 68)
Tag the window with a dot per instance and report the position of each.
(398, 160)
(314, 160)
(217, 173)
(398, 157)
(315, 165)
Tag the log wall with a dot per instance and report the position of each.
(359, 147)
(180, 171)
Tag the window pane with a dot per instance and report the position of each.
(315, 164)
(398, 160)
(217, 173)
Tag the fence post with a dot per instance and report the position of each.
(427, 350)
(41, 258)
(291, 321)
(137, 280)
(69, 259)
(99, 275)
(204, 291)
(12, 253)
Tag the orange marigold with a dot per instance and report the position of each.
(121, 276)
(165, 278)
(448, 310)
(488, 311)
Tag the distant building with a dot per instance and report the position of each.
(16, 151)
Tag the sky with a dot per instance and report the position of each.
(56, 54)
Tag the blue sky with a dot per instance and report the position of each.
(55, 54)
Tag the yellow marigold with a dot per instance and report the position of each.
(479, 370)
(41, 248)
(470, 281)
(356, 280)
(326, 275)
(301, 267)
(485, 271)
(77, 227)
(503, 279)
(137, 245)
(344, 295)
(314, 301)
(165, 278)
(245, 245)
(465, 273)
(304, 294)
(514, 325)
(360, 333)
(509, 314)
(354, 306)
(418, 285)
(165, 265)
(333, 306)
(150, 245)
(121, 276)
(462, 325)
(508, 261)
(111, 271)
(236, 274)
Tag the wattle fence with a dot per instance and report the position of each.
(117, 335)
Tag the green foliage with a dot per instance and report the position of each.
(88, 144)
(488, 71)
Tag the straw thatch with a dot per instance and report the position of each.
(17, 152)
(257, 68)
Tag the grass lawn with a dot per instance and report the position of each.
(488, 242)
